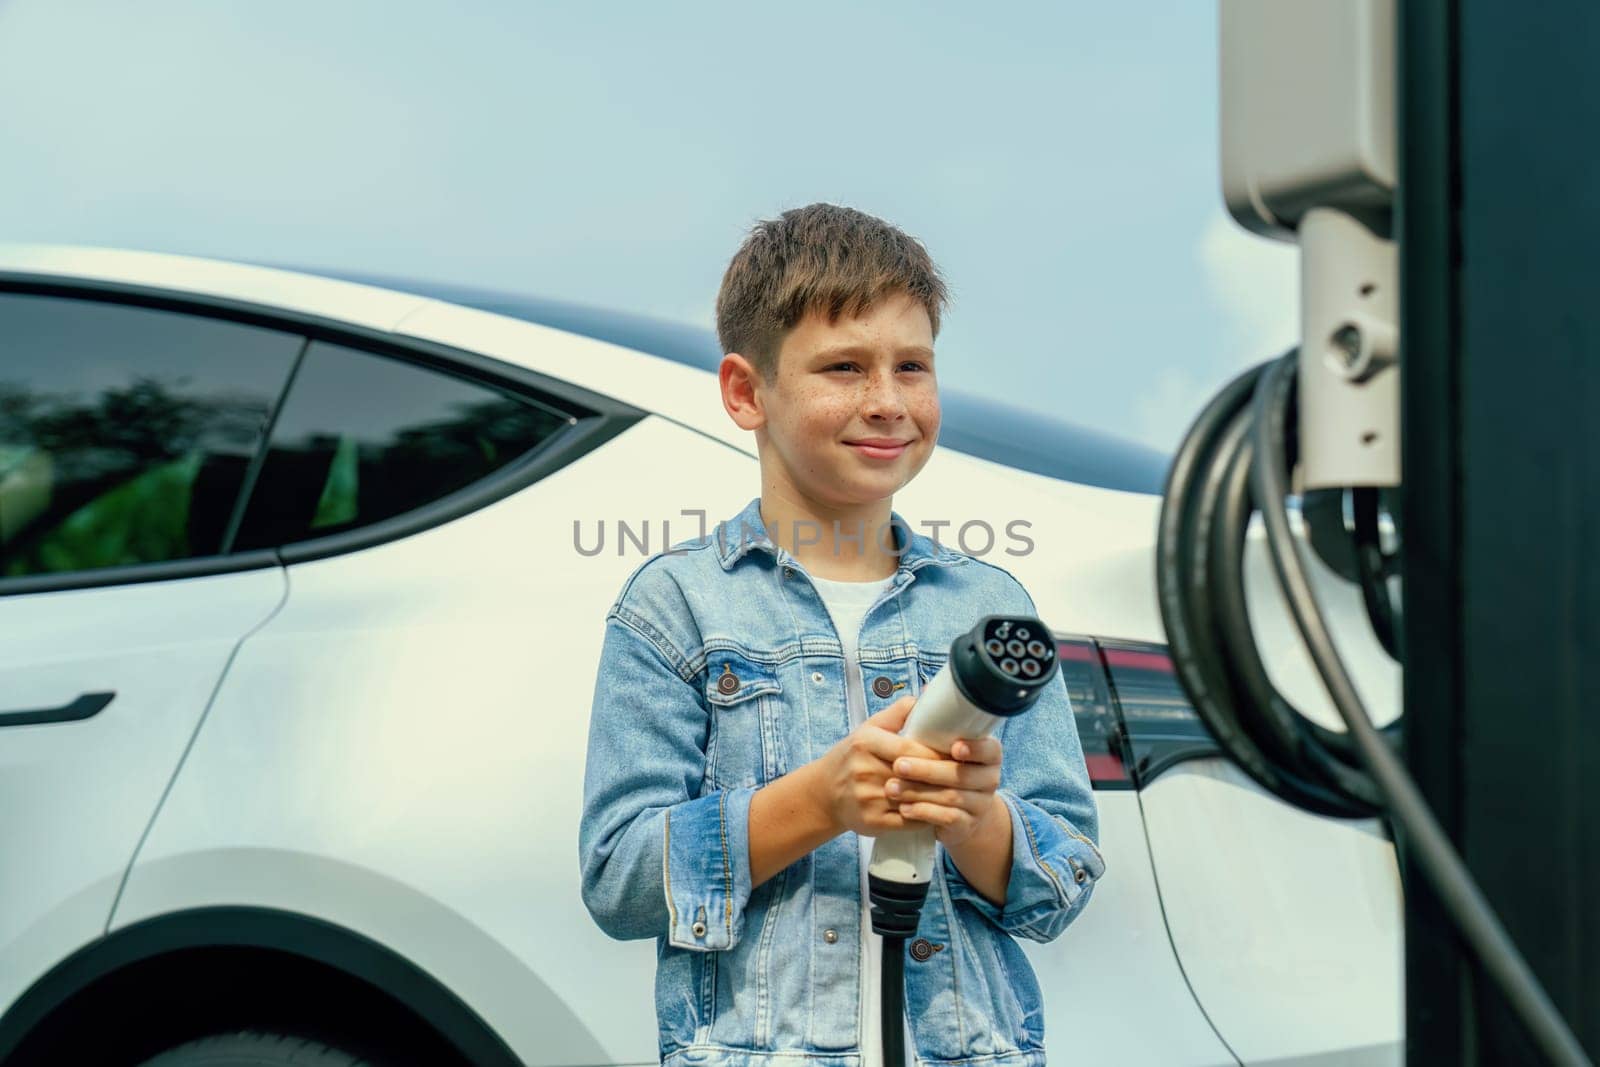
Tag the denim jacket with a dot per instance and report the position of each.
(720, 671)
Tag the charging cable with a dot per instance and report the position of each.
(1234, 461)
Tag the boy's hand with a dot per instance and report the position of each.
(955, 795)
(854, 771)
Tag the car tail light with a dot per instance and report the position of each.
(1099, 727)
(1162, 728)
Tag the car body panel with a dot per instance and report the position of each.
(1285, 921)
(421, 717)
(1113, 993)
(75, 797)
(359, 305)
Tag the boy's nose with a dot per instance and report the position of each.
(884, 400)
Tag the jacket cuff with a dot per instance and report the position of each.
(707, 869)
(1053, 869)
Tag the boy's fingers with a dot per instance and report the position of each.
(885, 742)
(886, 745)
(944, 772)
(977, 750)
(893, 717)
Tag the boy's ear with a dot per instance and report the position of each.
(742, 392)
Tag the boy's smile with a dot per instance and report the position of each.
(851, 416)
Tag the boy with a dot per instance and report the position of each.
(743, 743)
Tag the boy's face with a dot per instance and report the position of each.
(864, 379)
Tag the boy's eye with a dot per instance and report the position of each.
(850, 366)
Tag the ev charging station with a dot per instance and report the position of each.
(1436, 430)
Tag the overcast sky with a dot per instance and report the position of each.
(1059, 160)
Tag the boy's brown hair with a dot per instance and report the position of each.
(825, 258)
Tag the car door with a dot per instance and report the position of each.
(392, 754)
(126, 435)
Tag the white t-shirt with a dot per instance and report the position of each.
(848, 602)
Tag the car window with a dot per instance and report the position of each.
(125, 432)
(364, 437)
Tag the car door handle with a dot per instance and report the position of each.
(86, 705)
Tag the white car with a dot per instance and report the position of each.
(300, 606)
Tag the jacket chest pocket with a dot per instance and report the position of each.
(928, 665)
(745, 746)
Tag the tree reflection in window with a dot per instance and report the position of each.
(110, 480)
(365, 437)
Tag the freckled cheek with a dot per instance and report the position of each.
(828, 418)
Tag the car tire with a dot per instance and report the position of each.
(255, 1048)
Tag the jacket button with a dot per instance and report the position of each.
(882, 686)
(728, 682)
(1079, 875)
(830, 936)
(921, 949)
(699, 929)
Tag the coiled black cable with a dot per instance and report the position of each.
(1199, 550)
(1234, 461)
(1329, 754)
(1374, 568)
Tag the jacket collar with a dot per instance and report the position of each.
(737, 537)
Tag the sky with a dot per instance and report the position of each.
(1058, 160)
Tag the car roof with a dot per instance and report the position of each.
(978, 426)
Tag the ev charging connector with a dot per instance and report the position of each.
(995, 671)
